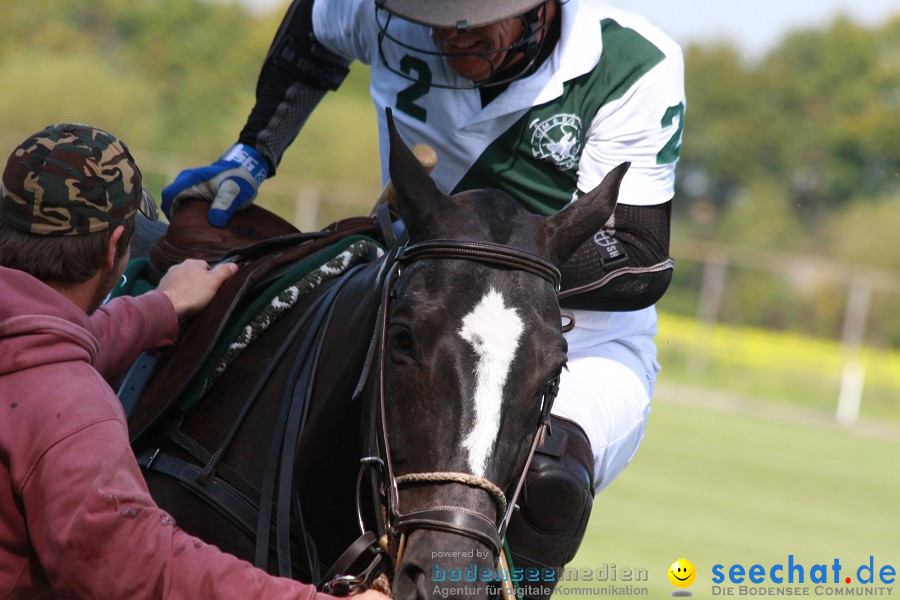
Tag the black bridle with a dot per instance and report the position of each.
(459, 520)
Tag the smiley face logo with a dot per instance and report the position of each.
(682, 573)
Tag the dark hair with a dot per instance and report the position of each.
(59, 259)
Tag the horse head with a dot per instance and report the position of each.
(467, 377)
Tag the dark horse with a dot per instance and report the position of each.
(434, 364)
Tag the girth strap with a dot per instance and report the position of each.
(204, 457)
(136, 379)
(220, 494)
(225, 498)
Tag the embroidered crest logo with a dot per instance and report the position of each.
(558, 139)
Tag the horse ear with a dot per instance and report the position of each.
(579, 220)
(417, 194)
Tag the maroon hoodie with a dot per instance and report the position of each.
(76, 519)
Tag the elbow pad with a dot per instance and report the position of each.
(629, 288)
(625, 266)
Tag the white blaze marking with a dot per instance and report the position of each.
(493, 329)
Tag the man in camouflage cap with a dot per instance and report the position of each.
(76, 519)
(71, 179)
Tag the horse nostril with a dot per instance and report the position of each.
(421, 592)
(409, 584)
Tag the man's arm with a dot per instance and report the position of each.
(127, 325)
(626, 266)
(296, 74)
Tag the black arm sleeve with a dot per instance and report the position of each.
(295, 76)
(625, 266)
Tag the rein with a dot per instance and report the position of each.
(466, 522)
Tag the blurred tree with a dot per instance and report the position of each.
(820, 116)
(774, 150)
(797, 151)
(865, 232)
(193, 62)
(841, 87)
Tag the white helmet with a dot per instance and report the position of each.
(461, 14)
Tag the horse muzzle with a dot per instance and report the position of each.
(435, 565)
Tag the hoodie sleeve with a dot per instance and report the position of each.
(128, 325)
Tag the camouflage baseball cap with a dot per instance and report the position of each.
(71, 179)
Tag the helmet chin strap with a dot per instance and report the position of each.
(529, 44)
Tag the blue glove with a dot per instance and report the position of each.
(230, 184)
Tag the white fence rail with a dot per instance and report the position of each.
(860, 282)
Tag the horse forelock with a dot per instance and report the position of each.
(484, 215)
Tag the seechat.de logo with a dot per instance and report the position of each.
(682, 574)
(797, 578)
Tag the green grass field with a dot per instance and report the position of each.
(725, 486)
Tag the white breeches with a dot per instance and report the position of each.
(610, 402)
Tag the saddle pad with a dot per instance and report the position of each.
(137, 279)
(180, 365)
(273, 302)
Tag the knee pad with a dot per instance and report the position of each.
(555, 503)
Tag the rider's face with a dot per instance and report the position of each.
(477, 53)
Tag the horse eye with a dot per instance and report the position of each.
(550, 387)
(401, 339)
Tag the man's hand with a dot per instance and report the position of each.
(230, 184)
(192, 284)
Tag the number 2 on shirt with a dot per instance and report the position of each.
(406, 98)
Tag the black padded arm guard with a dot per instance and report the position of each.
(295, 76)
(625, 266)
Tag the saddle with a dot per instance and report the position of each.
(265, 246)
(191, 236)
